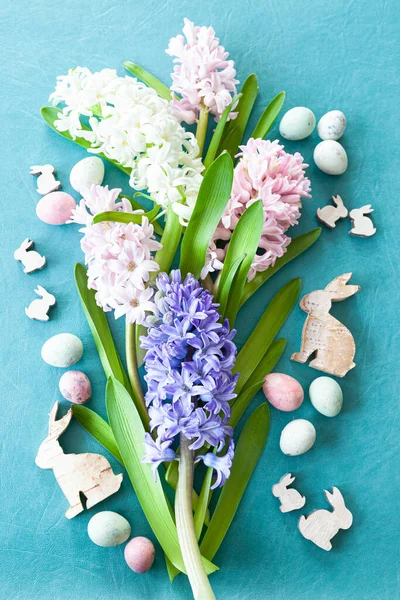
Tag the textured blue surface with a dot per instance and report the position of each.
(326, 55)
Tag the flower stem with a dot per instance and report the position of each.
(201, 130)
(133, 374)
(196, 573)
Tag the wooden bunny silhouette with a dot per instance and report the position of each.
(321, 525)
(290, 499)
(328, 215)
(32, 260)
(46, 181)
(362, 226)
(38, 309)
(90, 474)
(333, 343)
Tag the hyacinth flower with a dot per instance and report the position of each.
(189, 360)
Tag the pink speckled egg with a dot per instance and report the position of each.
(283, 392)
(139, 554)
(55, 208)
(75, 387)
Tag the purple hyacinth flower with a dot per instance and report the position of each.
(220, 464)
(157, 452)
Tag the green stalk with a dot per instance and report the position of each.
(170, 240)
(198, 579)
(201, 130)
(133, 374)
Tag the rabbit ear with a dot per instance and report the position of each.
(56, 428)
(36, 170)
(27, 243)
(287, 479)
(338, 289)
(52, 416)
(337, 200)
(367, 209)
(335, 498)
(40, 291)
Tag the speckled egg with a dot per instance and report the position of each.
(87, 172)
(108, 528)
(62, 350)
(330, 157)
(75, 387)
(139, 554)
(297, 124)
(283, 392)
(326, 396)
(332, 125)
(297, 437)
(55, 208)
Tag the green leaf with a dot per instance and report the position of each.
(136, 206)
(98, 428)
(50, 114)
(245, 240)
(235, 129)
(170, 240)
(248, 450)
(116, 216)
(256, 380)
(266, 329)
(129, 434)
(212, 198)
(149, 80)
(203, 502)
(268, 117)
(297, 246)
(225, 283)
(217, 135)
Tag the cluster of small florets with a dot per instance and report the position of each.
(189, 361)
(130, 124)
(264, 172)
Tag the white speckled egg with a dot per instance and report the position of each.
(108, 528)
(87, 172)
(75, 387)
(332, 125)
(330, 157)
(62, 350)
(326, 396)
(297, 124)
(297, 437)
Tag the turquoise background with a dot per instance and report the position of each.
(326, 55)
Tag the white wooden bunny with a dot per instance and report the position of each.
(323, 334)
(328, 215)
(321, 525)
(90, 474)
(362, 226)
(290, 499)
(46, 182)
(31, 260)
(38, 309)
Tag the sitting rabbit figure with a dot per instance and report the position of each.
(38, 309)
(328, 215)
(90, 474)
(32, 260)
(323, 334)
(290, 499)
(321, 525)
(46, 182)
(362, 226)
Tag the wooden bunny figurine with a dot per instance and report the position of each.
(362, 226)
(32, 260)
(323, 334)
(90, 474)
(328, 215)
(321, 525)
(290, 499)
(46, 181)
(38, 309)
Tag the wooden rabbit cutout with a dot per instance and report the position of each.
(31, 260)
(362, 226)
(38, 309)
(328, 215)
(46, 181)
(321, 525)
(323, 334)
(90, 474)
(290, 499)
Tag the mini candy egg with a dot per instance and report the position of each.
(55, 208)
(139, 554)
(62, 350)
(326, 396)
(297, 437)
(283, 392)
(75, 387)
(332, 125)
(108, 528)
(87, 172)
(297, 124)
(330, 157)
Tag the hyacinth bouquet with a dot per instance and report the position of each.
(226, 206)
